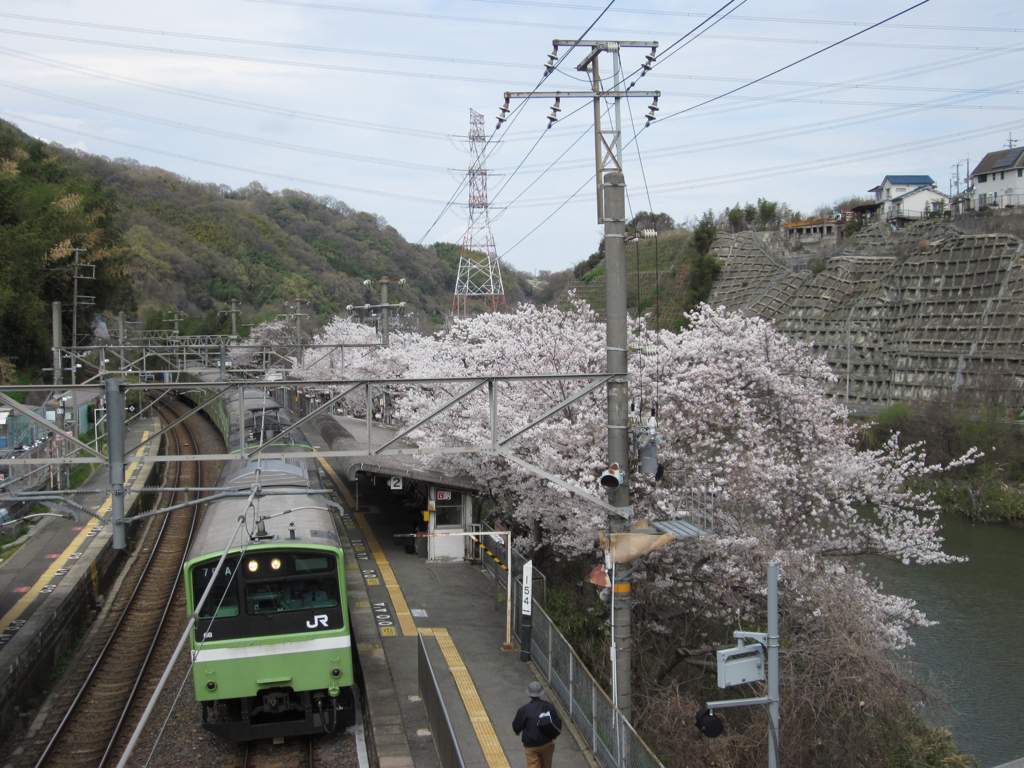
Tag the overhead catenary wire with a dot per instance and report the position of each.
(178, 649)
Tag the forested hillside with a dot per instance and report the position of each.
(164, 243)
(197, 245)
(49, 207)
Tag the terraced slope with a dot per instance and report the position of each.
(900, 315)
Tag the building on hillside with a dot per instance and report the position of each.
(909, 197)
(998, 181)
(812, 230)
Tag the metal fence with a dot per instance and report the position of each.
(497, 546)
(612, 739)
(448, 751)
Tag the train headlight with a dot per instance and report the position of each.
(253, 566)
(275, 564)
(211, 685)
(336, 672)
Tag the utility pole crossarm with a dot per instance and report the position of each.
(619, 94)
(607, 141)
(606, 45)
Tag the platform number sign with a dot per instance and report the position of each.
(395, 483)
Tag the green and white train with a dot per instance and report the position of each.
(272, 647)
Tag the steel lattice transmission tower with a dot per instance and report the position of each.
(479, 276)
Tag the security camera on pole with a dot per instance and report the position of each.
(611, 211)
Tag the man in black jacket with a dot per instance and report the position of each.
(540, 747)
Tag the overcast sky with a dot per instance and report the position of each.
(367, 101)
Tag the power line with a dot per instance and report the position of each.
(229, 134)
(805, 165)
(639, 11)
(249, 105)
(798, 61)
(216, 164)
(256, 59)
(486, 152)
(270, 44)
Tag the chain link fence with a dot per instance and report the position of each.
(612, 739)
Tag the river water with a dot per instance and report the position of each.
(976, 652)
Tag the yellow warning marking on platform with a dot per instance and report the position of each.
(388, 631)
(26, 600)
(373, 582)
(352, 566)
(362, 603)
(485, 734)
(397, 598)
(337, 481)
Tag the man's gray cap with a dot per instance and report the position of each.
(534, 690)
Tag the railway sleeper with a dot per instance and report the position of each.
(280, 712)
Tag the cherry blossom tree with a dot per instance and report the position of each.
(742, 413)
(263, 339)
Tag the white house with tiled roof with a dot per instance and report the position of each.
(909, 197)
(998, 181)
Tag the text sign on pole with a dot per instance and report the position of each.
(528, 588)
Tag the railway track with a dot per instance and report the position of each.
(93, 723)
(296, 754)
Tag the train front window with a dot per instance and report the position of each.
(291, 595)
(281, 582)
(222, 602)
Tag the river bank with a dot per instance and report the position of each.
(973, 654)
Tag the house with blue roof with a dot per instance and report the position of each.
(909, 197)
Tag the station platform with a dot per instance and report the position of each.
(49, 585)
(395, 597)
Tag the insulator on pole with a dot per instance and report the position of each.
(555, 109)
(552, 61)
(504, 112)
(651, 116)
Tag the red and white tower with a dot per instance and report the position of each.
(479, 276)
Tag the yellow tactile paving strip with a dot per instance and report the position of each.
(26, 600)
(390, 582)
(337, 481)
(488, 739)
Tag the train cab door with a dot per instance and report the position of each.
(448, 516)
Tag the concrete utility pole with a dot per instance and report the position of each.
(384, 307)
(234, 312)
(115, 389)
(58, 342)
(611, 211)
(296, 305)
